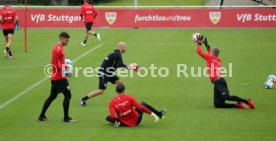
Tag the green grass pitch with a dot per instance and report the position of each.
(191, 115)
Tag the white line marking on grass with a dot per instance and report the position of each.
(43, 80)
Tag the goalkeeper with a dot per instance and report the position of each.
(221, 92)
(122, 106)
(107, 71)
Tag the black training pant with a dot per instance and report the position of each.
(221, 94)
(58, 86)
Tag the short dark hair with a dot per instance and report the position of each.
(215, 51)
(64, 35)
(120, 88)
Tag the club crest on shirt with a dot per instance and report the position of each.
(110, 17)
(215, 17)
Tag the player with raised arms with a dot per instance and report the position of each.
(123, 113)
(88, 15)
(221, 92)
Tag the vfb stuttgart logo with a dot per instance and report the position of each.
(215, 17)
(110, 17)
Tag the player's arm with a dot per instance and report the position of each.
(201, 40)
(16, 18)
(95, 13)
(81, 13)
(144, 109)
(120, 62)
(205, 42)
(201, 53)
(60, 64)
(1, 18)
(112, 113)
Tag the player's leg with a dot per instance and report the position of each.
(47, 103)
(89, 31)
(161, 113)
(117, 82)
(93, 33)
(93, 94)
(88, 27)
(65, 88)
(222, 94)
(219, 102)
(226, 95)
(9, 43)
(103, 80)
(5, 33)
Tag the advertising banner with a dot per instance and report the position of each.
(152, 18)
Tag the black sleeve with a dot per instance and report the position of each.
(120, 63)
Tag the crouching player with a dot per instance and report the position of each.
(122, 106)
(221, 92)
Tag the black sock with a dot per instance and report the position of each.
(85, 98)
(95, 34)
(152, 109)
(7, 49)
(10, 53)
(84, 41)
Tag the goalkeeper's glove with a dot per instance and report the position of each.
(200, 39)
(156, 118)
(205, 42)
(116, 124)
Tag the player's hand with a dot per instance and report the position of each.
(117, 124)
(68, 74)
(156, 118)
(134, 67)
(205, 42)
(200, 39)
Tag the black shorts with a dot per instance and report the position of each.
(60, 86)
(104, 79)
(88, 26)
(220, 90)
(140, 116)
(7, 32)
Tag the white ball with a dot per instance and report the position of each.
(69, 64)
(195, 36)
(133, 66)
(272, 78)
(269, 84)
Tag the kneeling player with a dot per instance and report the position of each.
(122, 105)
(221, 92)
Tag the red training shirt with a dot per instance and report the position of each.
(58, 62)
(123, 105)
(88, 12)
(8, 15)
(213, 64)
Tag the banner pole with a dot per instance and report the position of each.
(25, 27)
